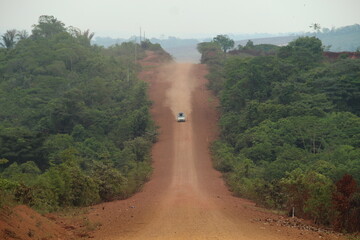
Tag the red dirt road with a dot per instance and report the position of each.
(186, 198)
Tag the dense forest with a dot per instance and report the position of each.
(75, 127)
(290, 129)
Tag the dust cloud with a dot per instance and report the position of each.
(178, 96)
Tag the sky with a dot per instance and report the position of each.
(182, 18)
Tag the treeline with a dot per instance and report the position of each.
(251, 50)
(75, 127)
(290, 130)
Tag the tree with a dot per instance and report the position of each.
(249, 45)
(9, 39)
(305, 52)
(318, 205)
(23, 34)
(210, 52)
(47, 26)
(83, 36)
(345, 189)
(224, 41)
(316, 27)
(340, 82)
(309, 193)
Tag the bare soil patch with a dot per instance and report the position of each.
(21, 222)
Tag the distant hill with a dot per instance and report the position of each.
(108, 41)
(279, 41)
(338, 39)
(184, 50)
(341, 39)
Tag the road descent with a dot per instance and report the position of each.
(188, 208)
(185, 198)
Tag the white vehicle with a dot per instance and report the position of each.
(181, 117)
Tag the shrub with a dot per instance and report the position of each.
(7, 191)
(346, 202)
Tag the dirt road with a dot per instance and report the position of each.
(186, 198)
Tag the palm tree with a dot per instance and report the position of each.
(22, 34)
(316, 27)
(83, 36)
(88, 35)
(9, 39)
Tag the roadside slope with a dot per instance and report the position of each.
(22, 222)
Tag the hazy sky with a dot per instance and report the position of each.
(182, 18)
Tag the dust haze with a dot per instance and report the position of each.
(178, 96)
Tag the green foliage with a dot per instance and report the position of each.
(75, 127)
(310, 195)
(110, 181)
(24, 173)
(223, 155)
(19, 144)
(249, 45)
(7, 191)
(156, 47)
(224, 41)
(341, 84)
(48, 26)
(290, 129)
(214, 57)
(68, 185)
(9, 39)
(211, 53)
(304, 52)
(251, 50)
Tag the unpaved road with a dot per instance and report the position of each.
(186, 198)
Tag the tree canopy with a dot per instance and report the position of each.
(75, 127)
(290, 130)
(224, 41)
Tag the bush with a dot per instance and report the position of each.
(346, 202)
(310, 194)
(7, 191)
(112, 184)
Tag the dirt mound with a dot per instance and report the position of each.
(21, 222)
